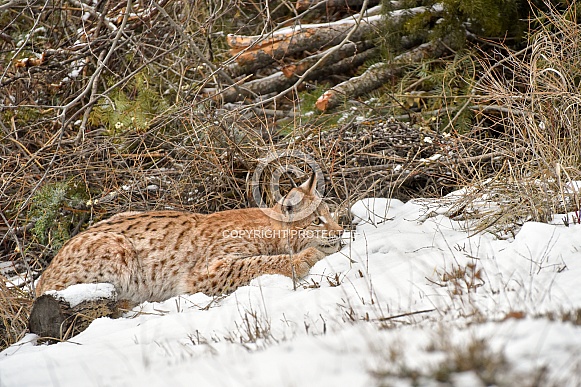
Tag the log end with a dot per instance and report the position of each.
(323, 101)
(289, 71)
(46, 317)
(59, 315)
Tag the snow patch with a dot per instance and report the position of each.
(373, 210)
(75, 294)
(407, 294)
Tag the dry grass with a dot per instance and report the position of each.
(157, 149)
(15, 305)
(473, 356)
(533, 102)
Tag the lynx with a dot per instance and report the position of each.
(152, 256)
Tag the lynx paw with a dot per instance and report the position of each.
(304, 260)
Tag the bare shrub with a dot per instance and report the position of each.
(532, 102)
(15, 305)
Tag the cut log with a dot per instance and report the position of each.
(350, 56)
(346, 51)
(239, 42)
(347, 64)
(290, 41)
(255, 52)
(60, 315)
(377, 75)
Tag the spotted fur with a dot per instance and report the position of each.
(151, 256)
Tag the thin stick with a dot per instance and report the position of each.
(405, 315)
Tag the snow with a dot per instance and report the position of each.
(451, 290)
(5, 267)
(76, 294)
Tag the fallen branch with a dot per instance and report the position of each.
(330, 52)
(291, 41)
(405, 314)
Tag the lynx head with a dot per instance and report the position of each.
(303, 212)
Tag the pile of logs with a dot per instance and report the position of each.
(303, 52)
(261, 68)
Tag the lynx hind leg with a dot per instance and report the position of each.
(92, 258)
(226, 275)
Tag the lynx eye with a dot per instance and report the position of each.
(319, 220)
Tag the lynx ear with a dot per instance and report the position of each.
(310, 185)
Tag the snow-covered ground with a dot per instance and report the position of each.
(412, 300)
